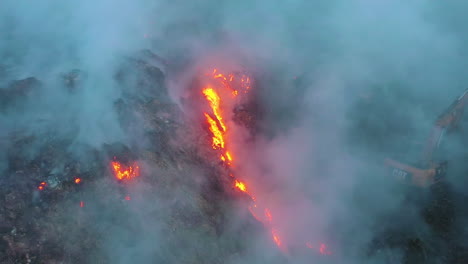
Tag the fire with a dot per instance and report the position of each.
(123, 172)
(81, 204)
(228, 80)
(127, 198)
(214, 100)
(78, 180)
(214, 93)
(276, 238)
(41, 186)
(218, 138)
(241, 186)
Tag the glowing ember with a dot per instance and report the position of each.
(41, 186)
(77, 180)
(81, 204)
(276, 238)
(240, 186)
(229, 80)
(127, 198)
(122, 172)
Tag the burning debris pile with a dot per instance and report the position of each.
(60, 197)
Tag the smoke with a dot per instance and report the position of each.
(341, 85)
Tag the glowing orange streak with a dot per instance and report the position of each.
(218, 142)
(214, 100)
(218, 139)
(218, 129)
(276, 238)
(240, 186)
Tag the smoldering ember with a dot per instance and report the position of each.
(156, 131)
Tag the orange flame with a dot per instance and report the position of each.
(77, 180)
(241, 186)
(218, 128)
(214, 100)
(41, 186)
(218, 138)
(122, 172)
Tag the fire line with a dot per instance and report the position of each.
(218, 128)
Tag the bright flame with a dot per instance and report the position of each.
(41, 186)
(241, 186)
(214, 100)
(218, 128)
(77, 180)
(218, 138)
(122, 172)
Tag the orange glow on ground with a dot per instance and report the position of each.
(122, 172)
(41, 186)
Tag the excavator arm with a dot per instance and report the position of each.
(428, 171)
(446, 122)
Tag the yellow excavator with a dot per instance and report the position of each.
(427, 171)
